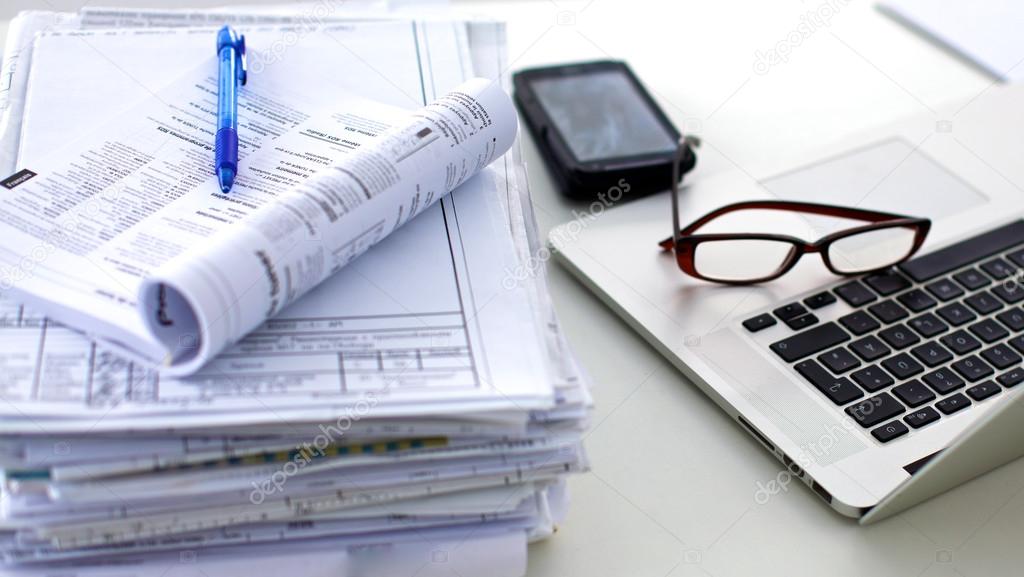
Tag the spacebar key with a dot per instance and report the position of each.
(809, 342)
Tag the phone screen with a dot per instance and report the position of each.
(601, 115)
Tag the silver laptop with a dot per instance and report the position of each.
(878, 392)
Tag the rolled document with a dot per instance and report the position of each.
(213, 294)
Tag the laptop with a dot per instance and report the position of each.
(879, 391)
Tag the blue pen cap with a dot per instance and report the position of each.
(227, 37)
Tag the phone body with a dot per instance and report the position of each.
(598, 129)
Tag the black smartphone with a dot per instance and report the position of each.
(598, 129)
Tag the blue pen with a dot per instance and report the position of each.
(231, 58)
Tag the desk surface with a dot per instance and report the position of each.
(677, 488)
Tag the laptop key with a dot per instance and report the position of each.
(820, 300)
(956, 314)
(1017, 343)
(899, 336)
(943, 381)
(1013, 319)
(944, 289)
(839, 360)
(888, 311)
(876, 409)
(887, 283)
(972, 368)
(870, 348)
(1017, 257)
(998, 268)
(839, 390)
(801, 322)
(902, 366)
(859, 322)
(1011, 292)
(872, 378)
(921, 417)
(916, 300)
(988, 330)
(913, 393)
(971, 279)
(928, 325)
(790, 311)
(931, 354)
(891, 431)
(809, 342)
(983, 390)
(1011, 378)
(1001, 356)
(961, 342)
(983, 303)
(760, 322)
(815, 374)
(855, 294)
(952, 404)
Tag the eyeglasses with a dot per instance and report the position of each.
(748, 258)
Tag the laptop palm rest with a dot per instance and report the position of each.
(775, 396)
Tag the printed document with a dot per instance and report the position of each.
(323, 347)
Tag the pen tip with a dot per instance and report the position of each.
(226, 177)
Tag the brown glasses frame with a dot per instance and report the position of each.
(685, 242)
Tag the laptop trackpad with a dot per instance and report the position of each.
(890, 175)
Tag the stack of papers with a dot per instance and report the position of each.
(415, 413)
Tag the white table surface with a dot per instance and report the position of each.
(676, 487)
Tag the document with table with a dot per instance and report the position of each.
(276, 388)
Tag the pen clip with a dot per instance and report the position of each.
(243, 61)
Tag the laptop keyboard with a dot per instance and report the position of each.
(929, 338)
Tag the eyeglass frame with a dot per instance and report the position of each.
(685, 243)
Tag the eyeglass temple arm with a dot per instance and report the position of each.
(805, 207)
(680, 152)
